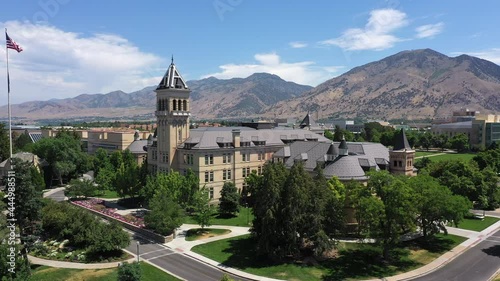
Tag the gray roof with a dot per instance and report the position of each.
(456, 125)
(366, 155)
(401, 142)
(137, 146)
(210, 137)
(24, 156)
(172, 79)
(308, 122)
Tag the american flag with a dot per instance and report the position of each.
(11, 44)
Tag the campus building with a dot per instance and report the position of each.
(220, 154)
(214, 154)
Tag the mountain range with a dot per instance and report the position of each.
(412, 84)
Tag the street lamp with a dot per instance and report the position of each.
(138, 243)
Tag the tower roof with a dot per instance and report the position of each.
(343, 144)
(308, 121)
(172, 79)
(401, 142)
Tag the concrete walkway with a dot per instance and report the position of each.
(75, 265)
(52, 191)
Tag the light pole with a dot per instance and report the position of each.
(138, 243)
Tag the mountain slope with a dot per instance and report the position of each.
(410, 84)
(211, 97)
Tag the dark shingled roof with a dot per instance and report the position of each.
(401, 142)
(308, 122)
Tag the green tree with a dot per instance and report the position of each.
(329, 135)
(204, 211)
(4, 143)
(426, 140)
(23, 143)
(229, 200)
(106, 178)
(129, 272)
(441, 141)
(127, 181)
(100, 161)
(436, 205)
(422, 163)
(165, 214)
(460, 142)
(64, 156)
(80, 187)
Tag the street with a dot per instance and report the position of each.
(478, 263)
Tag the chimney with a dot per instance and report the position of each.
(236, 138)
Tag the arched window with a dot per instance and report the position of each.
(184, 105)
(175, 105)
(179, 104)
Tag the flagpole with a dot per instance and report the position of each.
(8, 99)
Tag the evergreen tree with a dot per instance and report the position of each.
(129, 272)
(229, 201)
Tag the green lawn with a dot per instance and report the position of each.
(198, 233)
(354, 261)
(477, 224)
(452, 156)
(108, 194)
(244, 218)
(45, 273)
(425, 153)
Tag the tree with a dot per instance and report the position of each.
(80, 187)
(4, 143)
(23, 143)
(388, 216)
(165, 214)
(204, 211)
(64, 156)
(441, 141)
(436, 205)
(329, 135)
(422, 163)
(27, 202)
(100, 161)
(129, 272)
(105, 178)
(127, 180)
(459, 142)
(426, 140)
(229, 201)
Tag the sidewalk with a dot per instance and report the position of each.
(52, 191)
(181, 245)
(76, 265)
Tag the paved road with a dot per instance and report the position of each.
(177, 263)
(57, 196)
(476, 264)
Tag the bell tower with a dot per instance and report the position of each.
(402, 156)
(172, 115)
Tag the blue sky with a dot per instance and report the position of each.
(73, 46)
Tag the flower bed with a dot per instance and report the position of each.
(97, 205)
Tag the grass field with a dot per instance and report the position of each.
(354, 261)
(45, 273)
(244, 218)
(425, 153)
(452, 156)
(477, 224)
(108, 194)
(198, 233)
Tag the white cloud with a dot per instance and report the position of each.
(377, 33)
(58, 64)
(297, 45)
(305, 72)
(492, 54)
(429, 30)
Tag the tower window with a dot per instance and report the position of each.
(179, 105)
(175, 105)
(184, 105)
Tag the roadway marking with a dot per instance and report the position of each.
(498, 241)
(160, 256)
(142, 254)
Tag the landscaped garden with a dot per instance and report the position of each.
(98, 205)
(45, 273)
(203, 233)
(350, 261)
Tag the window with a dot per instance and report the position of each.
(209, 159)
(245, 172)
(164, 157)
(211, 193)
(245, 157)
(259, 170)
(400, 163)
(261, 156)
(226, 174)
(209, 176)
(395, 163)
(188, 159)
(226, 158)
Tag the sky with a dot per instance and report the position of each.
(71, 47)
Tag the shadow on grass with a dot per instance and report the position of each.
(225, 216)
(366, 262)
(433, 244)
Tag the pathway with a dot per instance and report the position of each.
(75, 265)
